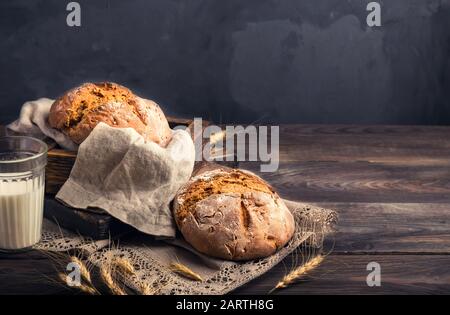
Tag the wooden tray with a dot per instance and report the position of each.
(89, 223)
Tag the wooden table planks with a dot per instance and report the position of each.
(346, 274)
(391, 188)
(401, 228)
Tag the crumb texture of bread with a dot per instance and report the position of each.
(232, 214)
(79, 110)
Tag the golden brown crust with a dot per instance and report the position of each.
(233, 181)
(79, 110)
(232, 214)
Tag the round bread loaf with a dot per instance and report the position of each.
(232, 214)
(79, 110)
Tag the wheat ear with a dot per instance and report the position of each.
(84, 288)
(124, 265)
(109, 281)
(295, 274)
(85, 274)
(185, 271)
(145, 289)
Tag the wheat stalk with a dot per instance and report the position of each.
(145, 289)
(106, 276)
(85, 274)
(82, 287)
(295, 274)
(185, 271)
(124, 265)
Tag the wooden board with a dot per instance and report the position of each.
(406, 228)
(396, 145)
(389, 185)
(35, 273)
(337, 275)
(96, 225)
(358, 181)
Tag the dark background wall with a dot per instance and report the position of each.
(234, 60)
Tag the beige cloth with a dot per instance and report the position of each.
(33, 120)
(152, 257)
(133, 180)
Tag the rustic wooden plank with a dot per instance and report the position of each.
(399, 166)
(29, 273)
(93, 223)
(397, 145)
(391, 228)
(400, 274)
(383, 144)
(59, 166)
(422, 145)
(348, 129)
(338, 274)
(358, 182)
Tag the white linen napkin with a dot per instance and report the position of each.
(133, 180)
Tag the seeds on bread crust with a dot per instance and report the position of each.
(232, 214)
(79, 110)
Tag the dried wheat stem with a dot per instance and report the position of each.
(82, 287)
(145, 289)
(106, 276)
(85, 274)
(185, 271)
(124, 265)
(298, 272)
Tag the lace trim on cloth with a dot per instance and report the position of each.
(151, 258)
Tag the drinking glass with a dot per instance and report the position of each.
(22, 182)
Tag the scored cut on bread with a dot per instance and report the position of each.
(232, 214)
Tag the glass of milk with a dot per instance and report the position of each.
(22, 175)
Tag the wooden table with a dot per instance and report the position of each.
(391, 188)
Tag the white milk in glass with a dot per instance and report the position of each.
(21, 211)
(22, 182)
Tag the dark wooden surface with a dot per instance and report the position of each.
(391, 188)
